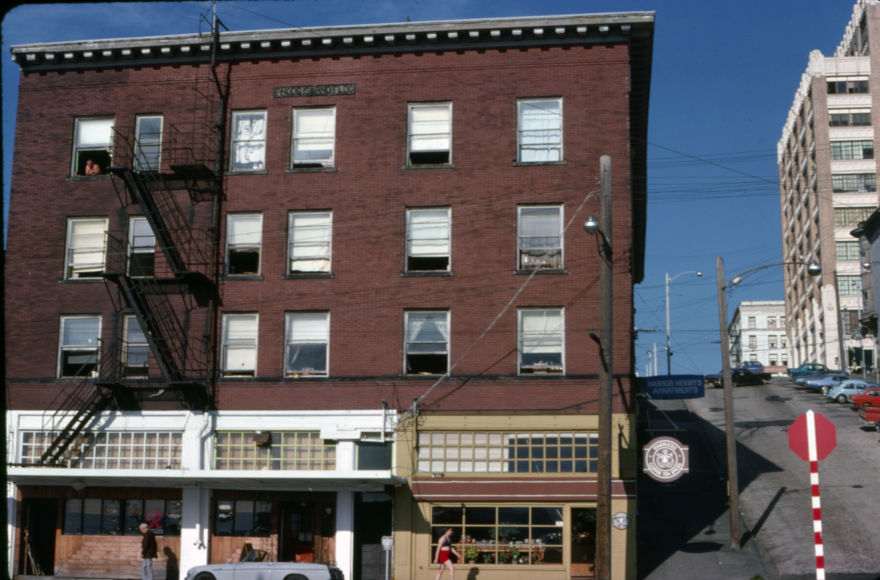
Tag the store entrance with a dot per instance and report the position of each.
(297, 533)
(583, 543)
(38, 540)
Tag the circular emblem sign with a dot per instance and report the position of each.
(666, 459)
(620, 520)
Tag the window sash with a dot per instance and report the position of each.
(541, 332)
(240, 343)
(430, 127)
(307, 344)
(540, 237)
(94, 133)
(80, 332)
(314, 136)
(245, 230)
(248, 140)
(149, 142)
(428, 232)
(310, 241)
(287, 451)
(539, 130)
(427, 333)
(86, 246)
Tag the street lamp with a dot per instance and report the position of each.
(813, 269)
(668, 334)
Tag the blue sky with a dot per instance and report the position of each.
(724, 78)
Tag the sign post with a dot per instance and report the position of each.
(812, 437)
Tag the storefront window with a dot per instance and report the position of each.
(583, 541)
(501, 535)
(116, 517)
(243, 518)
(295, 451)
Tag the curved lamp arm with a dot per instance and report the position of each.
(813, 269)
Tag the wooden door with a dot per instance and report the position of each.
(298, 534)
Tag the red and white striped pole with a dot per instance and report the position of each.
(814, 487)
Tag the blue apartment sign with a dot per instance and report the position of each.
(674, 387)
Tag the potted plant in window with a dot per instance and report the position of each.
(503, 557)
(514, 555)
(471, 553)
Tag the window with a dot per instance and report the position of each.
(430, 134)
(310, 237)
(244, 235)
(541, 342)
(784, 359)
(373, 455)
(149, 142)
(753, 341)
(136, 349)
(773, 359)
(249, 141)
(849, 285)
(286, 451)
(483, 452)
(85, 248)
(539, 130)
(772, 340)
(314, 137)
(850, 117)
(78, 352)
(752, 323)
(92, 146)
(753, 357)
(117, 517)
(142, 248)
(849, 217)
(540, 237)
(853, 182)
(239, 345)
(847, 85)
(781, 321)
(108, 450)
(771, 322)
(503, 534)
(243, 518)
(427, 343)
(850, 322)
(427, 240)
(783, 341)
(847, 250)
(308, 339)
(844, 150)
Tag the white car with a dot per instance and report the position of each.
(265, 571)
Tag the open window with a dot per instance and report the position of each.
(539, 130)
(239, 345)
(136, 349)
(427, 240)
(309, 242)
(427, 343)
(149, 142)
(78, 347)
(93, 142)
(85, 247)
(308, 340)
(142, 248)
(244, 236)
(249, 141)
(541, 341)
(314, 137)
(430, 134)
(540, 237)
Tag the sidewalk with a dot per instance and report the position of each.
(684, 526)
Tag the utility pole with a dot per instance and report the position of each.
(842, 349)
(655, 359)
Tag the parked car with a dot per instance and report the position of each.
(824, 383)
(869, 415)
(754, 366)
(846, 389)
(265, 571)
(811, 369)
(739, 376)
(870, 398)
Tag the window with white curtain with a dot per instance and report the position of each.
(540, 237)
(137, 350)
(239, 345)
(307, 344)
(149, 142)
(539, 130)
(244, 234)
(249, 141)
(85, 247)
(314, 137)
(427, 239)
(427, 343)
(310, 235)
(141, 248)
(93, 141)
(430, 134)
(541, 341)
(78, 346)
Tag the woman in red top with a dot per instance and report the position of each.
(444, 550)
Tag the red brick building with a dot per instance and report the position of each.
(273, 290)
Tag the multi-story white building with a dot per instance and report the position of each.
(758, 333)
(827, 181)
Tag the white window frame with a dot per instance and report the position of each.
(523, 134)
(520, 255)
(130, 326)
(413, 134)
(62, 347)
(413, 314)
(92, 144)
(140, 244)
(247, 241)
(412, 240)
(301, 238)
(319, 336)
(248, 148)
(71, 272)
(753, 341)
(152, 148)
(239, 344)
(299, 138)
(753, 322)
(549, 336)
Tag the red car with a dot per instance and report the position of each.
(870, 415)
(870, 398)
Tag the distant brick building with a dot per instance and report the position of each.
(253, 284)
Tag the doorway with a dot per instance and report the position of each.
(298, 533)
(39, 517)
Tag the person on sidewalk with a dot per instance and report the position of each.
(149, 550)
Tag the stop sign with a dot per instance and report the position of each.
(826, 436)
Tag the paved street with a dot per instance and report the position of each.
(774, 482)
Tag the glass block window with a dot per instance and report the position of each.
(501, 535)
(118, 517)
(293, 451)
(482, 452)
(849, 285)
(847, 250)
(111, 450)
